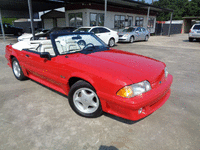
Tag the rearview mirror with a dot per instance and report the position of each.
(45, 55)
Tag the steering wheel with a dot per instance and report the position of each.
(92, 45)
(81, 43)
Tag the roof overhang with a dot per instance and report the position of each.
(42, 5)
(37, 5)
(123, 3)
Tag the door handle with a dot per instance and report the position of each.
(27, 55)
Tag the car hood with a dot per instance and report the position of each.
(124, 64)
(122, 33)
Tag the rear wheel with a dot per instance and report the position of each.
(190, 39)
(146, 38)
(17, 71)
(111, 42)
(84, 100)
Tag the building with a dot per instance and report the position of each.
(52, 19)
(115, 15)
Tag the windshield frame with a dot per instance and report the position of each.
(129, 28)
(53, 36)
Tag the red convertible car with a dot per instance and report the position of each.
(95, 78)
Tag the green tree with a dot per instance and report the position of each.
(182, 8)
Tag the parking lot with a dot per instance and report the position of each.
(35, 117)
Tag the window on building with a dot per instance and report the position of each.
(96, 19)
(130, 21)
(150, 23)
(139, 21)
(75, 20)
(119, 21)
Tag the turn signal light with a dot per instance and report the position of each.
(125, 92)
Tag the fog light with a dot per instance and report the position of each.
(140, 111)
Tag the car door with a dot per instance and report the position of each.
(101, 33)
(104, 34)
(48, 71)
(137, 34)
(140, 34)
(143, 33)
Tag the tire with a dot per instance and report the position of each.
(132, 39)
(146, 38)
(84, 100)
(111, 42)
(17, 71)
(19, 33)
(190, 39)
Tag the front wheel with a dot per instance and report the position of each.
(132, 39)
(17, 71)
(84, 100)
(111, 42)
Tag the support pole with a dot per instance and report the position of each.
(2, 28)
(170, 24)
(105, 12)
(161, 29)
(31, 17)
(148, 16)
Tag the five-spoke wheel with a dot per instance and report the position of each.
(17, 69)
(84, 100)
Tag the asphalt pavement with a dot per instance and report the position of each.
(34, 117)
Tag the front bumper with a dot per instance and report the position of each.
(124, 39)
(128, 107)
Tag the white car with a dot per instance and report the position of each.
(194, 32)
(107, 35)
(28, 36)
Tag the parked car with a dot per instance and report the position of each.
(194, 32)
(95, 78)
(131, 34)
(107, 35)
(10, 29)
(45, 33)
(28, 36)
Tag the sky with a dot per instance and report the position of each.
(150, 1)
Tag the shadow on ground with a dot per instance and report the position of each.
(103, 147)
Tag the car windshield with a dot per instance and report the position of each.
(128, 30)
(197, 27)
(78, 42)
(82, 30)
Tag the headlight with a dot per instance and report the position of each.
(134, 89)
(125, 35)
(166, 72)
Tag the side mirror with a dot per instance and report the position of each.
(45, 55)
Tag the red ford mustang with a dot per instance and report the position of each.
(96, 78)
